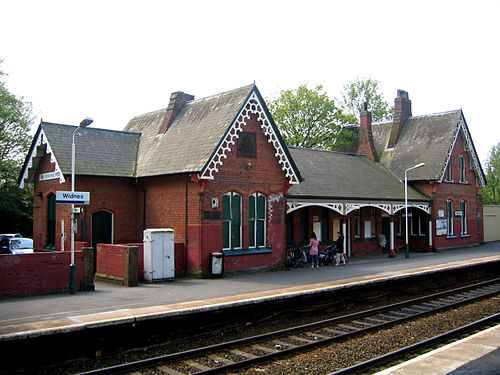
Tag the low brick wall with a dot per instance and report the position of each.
(38, 273)
(111, 260)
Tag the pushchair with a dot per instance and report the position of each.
(326, 256)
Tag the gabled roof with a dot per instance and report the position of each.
(338, 175)
(98, 152)
(200, 136)
(197, 141)
(429, 139)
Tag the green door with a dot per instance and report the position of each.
(102, 228)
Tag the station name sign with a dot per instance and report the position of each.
(73, 197)
(49, 176)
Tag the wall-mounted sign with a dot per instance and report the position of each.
(441, 213)
(441, 227)
(49, 176)
(458, 213)
(73, 197)
(212, 215)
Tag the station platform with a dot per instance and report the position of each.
(110, 304)
(478, 354)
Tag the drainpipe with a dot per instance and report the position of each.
(186, 241)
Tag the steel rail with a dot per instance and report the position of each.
(394, 313)
(397, 354)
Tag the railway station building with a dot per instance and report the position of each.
(217, 171)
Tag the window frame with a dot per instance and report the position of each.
(447, 173)
(462, 169)
(231, 221)
(463, 219)
(449, 217)
(257, 220)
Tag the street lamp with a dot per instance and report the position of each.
(72, 283)
(407, 251)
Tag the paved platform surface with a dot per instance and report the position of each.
(478, 354)
(110, 302)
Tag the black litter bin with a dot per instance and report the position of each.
(216, 264)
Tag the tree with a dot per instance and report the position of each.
(491, 193)
(309, 118)
(15, 121)
(358, 92)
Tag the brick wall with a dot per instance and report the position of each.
(456, 192)
(120, 196)
(38, 273)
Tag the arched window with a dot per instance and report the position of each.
(464, 218)
(231, 221)
(462, 168)
(447, 173)
(257, 220)
(449, 216)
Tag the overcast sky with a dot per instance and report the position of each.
(113, 60)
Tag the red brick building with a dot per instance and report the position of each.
(217, 171)
(444, 207)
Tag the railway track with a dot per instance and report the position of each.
(241, 353)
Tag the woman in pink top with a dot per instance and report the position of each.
(313, 244)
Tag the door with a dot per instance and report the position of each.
(386, 231)
(102, 228)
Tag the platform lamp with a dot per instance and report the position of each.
(72, 275)
(407, 249)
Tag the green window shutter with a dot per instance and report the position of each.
(251, 221)
(226, 207)
(260, 233)
(225, 234)
(261, 206)
(236, 221)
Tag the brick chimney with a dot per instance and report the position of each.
(177, 101)
(365, 144)
(402, 110)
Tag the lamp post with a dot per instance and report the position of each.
(72, 282)
(407, 250)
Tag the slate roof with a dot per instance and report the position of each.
(98, 152)
(338, 175)
(429, 139)
(192, 137)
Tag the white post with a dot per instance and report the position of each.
(392, 234)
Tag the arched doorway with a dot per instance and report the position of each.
(102, 227)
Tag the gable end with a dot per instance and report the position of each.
(31, 162)
(253, 105)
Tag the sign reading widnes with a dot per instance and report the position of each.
(74, 197)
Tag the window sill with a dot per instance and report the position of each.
(465, 235)
(451, 236)
(262, 250)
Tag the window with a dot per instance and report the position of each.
(231, 221)
(246, 145)
(400, 223)
(418, 223)
(449, 216)
(464, 218)
(462, 168)
(357, 224)
(257, 220)
(370, 225)
(447, 175)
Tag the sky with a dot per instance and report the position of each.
(114, 60)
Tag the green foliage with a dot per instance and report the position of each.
(358, 92)
(309, 118)
(491, 193)
(15, 121)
